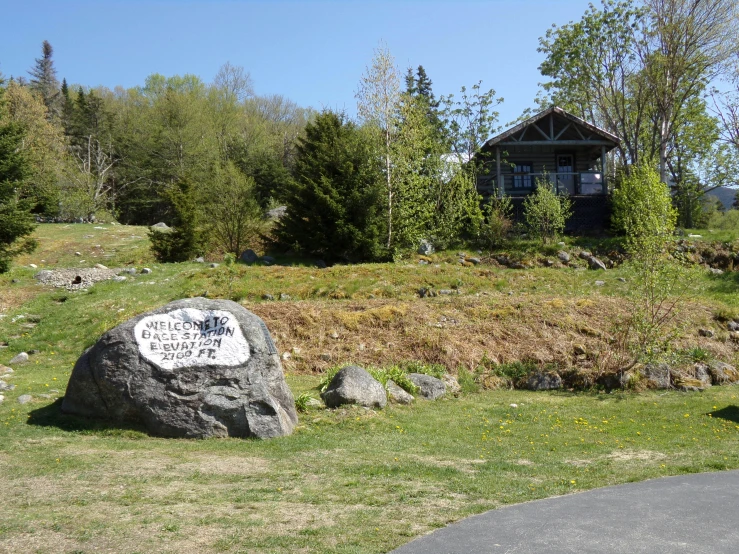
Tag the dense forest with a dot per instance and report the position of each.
(209, 159)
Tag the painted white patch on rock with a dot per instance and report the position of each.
(190, 337)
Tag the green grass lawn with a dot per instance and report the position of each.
(350, 480)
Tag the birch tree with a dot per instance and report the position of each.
(377, 102)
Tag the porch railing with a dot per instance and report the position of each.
(581, 183)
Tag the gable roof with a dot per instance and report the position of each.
(572, 121)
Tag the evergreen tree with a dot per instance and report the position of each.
(16, 221)
(44, 81)
(184, 241)
(334, 205)
(67, 108)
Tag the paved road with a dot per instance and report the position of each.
(695, 514)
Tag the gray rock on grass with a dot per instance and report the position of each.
(657, 375)
(194, 368)
(563, 256)
(425, 248)
(20, 358)
(25, 399)
(721, 373)
(595, 263)
(398, 394)
(429, 388)
(354, 385)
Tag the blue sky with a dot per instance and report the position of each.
(312, 52)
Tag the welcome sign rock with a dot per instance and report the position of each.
(194, 368)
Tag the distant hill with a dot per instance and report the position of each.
(725, 195)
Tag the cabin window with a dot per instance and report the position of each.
(522, 176)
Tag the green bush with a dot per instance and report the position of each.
(642, 206)
(497, 222)
(546, 212)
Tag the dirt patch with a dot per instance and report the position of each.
(636, 455)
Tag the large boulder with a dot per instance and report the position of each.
(354, 385)
(429, 387)
(194, 368)
(722, 373)
(248, 256)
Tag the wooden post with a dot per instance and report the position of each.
(499, 178)
(603, 168)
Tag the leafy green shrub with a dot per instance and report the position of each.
(517, 372)
(546, 212)
(467, 382)
(301, 402)
(497, 222)
(396, 374)
(697, 354)
(642, 206)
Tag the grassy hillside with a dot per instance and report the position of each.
(348, 480)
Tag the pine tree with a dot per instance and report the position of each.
(44, 81)
(334, 209)
(16, 221)
(67, 108)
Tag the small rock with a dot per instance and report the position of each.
(452, 385)
(21, 358)
(563, 256)
(267, 297)
(733, 326)
(715, 271)
(268, 260)
(78, 253)
(145, 271)
(446, 292)
(284, 296)
(100, 266)
(296, 351)
(248, 256)
(214, 265)
(475, 261)
(32, 266)
(600, 283)
(722, 373)
(25, 398)
(733, 335)
(702, 332)
(34, 351)
(5, 370)
(595, 263)
(326, 357)
(199, 260)
(130, 271)
(513, 405)
(548, 263)
(119, 278)
(424, 292)
(621, 279)
(658, 375)
(544, 381)
(354, 385)
(429, 387)
(286, 356)
(334, 335)
(397, 394)
(579, 349)
(585, 255)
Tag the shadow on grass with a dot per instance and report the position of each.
(52, 416)
(729, 413)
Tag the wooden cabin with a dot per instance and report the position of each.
(568, 152)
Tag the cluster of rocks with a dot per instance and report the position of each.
(82, 278)
(699, 376)
(716, 256)
(354, 385)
